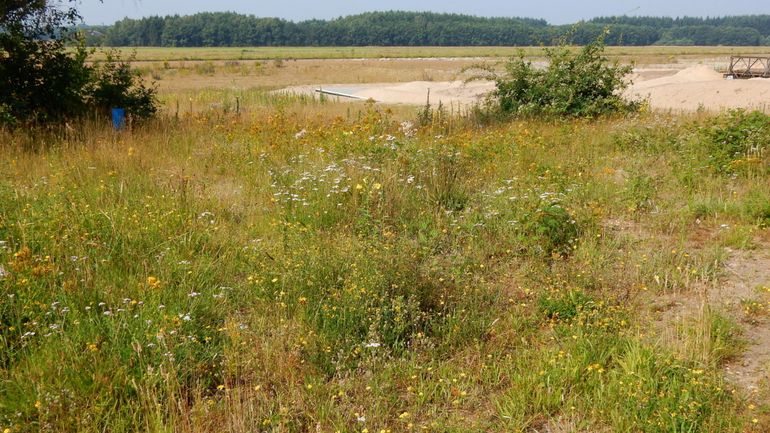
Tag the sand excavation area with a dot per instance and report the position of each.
(665, 88)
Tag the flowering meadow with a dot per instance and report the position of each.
(311, 266)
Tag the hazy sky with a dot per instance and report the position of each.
(555, 11)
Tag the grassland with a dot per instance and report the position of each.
(181, 73)
(303, 265)
(640, 54)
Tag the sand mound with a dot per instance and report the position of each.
(695, 74)
(701, 87)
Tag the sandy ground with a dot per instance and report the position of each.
(701, 87)
(666, 88)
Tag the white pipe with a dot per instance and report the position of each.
(345, 95)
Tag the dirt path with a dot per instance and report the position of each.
(747, 281)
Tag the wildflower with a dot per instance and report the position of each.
(377, 186)
(153, 282)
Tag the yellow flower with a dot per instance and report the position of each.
(359, 186)
(377, 185)
(153, 282)
(38, 405)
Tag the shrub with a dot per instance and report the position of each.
(44, 76)
(116, 84)
(738, 140)
(552, 230)
(584, 84)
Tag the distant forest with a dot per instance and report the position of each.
(425, 29)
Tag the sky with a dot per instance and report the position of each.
(554, 11)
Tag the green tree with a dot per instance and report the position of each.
(44, 76)
(39, 79)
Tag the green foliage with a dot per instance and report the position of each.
(6, 117)
(44, 78)
(738, 141)
(552, 230)
(640, 192)
(116, 84)
(757, 207)
(41, 80)
(397, 28)
(564, 306)
(585, 84)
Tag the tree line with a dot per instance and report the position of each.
(224, 29)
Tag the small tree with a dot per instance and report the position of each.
(44, 76)
(582, 84)
(40, 80)
(116, 84)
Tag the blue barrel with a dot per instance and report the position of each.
(118, 118)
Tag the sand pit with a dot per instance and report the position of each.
(690, 89)
(414, 93)
(700, 87)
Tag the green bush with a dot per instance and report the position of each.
(583, 84)
(116, 84)
(737, 141)
(44, 75)
(552, 230)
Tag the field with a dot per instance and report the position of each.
(259, 262)
(640, 54)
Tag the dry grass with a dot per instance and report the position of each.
(640, 54)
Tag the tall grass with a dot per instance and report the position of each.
(288, 270)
